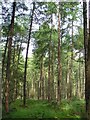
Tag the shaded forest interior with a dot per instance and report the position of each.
(45, 50)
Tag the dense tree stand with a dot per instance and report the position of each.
(45, 50)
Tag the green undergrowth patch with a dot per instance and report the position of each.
(44, 109)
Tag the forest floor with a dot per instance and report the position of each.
(43, 109)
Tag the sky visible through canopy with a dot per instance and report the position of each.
(35, 26)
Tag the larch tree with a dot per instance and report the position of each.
(87, 58)
(59, 59)
(71, 61)
(26, 59)
(87, 85)
(8, 72)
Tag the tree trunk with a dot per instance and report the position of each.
(52, 75)
(71, 64)
(38, 90)
(42, 82)
(49, 76)
(68, 80)
(14, 53)
(42, 79)
(25, 71)
(87, 85)
(49, 66)
(52, 62)
(80, 82)
(67, 77)
(77, 84)
(59, 61)
(8, 72)
(85, 47)
(83, 81)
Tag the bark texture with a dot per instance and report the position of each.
(8, 72)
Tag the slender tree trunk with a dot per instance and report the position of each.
(27, 89)
(49, 77)
(68, 80)
(21, 91)
(42, 79)
(9, 58)
(67, 77)
(42, 83)
(46, 85)
(25, 71)
(71, 64)
(52, 62)
(14, 53)
(87, 91)
(49, 66)
(38, 90)
(76, 83)
(80, 84)
(59, 61)
(52, 75)
(85, 47)
(83, 81)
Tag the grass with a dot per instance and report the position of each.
(43, 109)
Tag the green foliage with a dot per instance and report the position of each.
(43, 109)
(52, 8)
